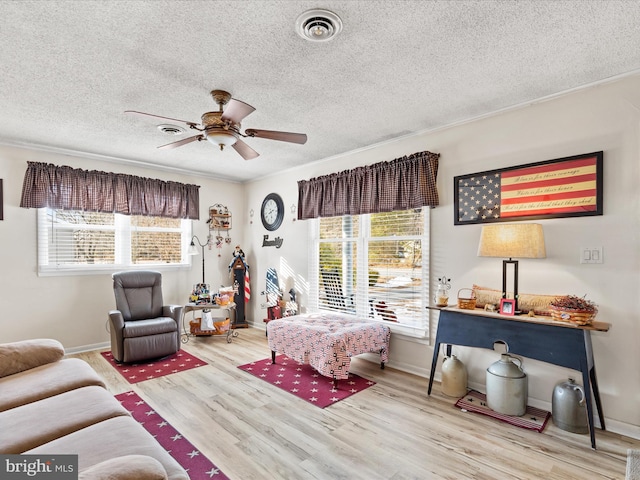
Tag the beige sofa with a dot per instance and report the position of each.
(55, 405)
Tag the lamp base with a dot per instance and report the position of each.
(515, 281)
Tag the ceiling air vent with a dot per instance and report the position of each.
(318, 25)
(171, 129)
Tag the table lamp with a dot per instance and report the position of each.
(521, 240)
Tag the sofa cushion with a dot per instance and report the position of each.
(36, 423)
(127, 467)
(17, 357)
(46, 381)
(109, 439)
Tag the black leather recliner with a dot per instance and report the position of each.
(142, 328)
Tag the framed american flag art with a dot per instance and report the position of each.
(565, 187)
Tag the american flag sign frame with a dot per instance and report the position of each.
(564, 187)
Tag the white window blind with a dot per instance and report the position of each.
(92, 242)
(338, 255)
(375, 266)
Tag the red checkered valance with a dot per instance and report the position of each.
(62, 187)
(400, 184)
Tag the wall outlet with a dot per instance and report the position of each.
(591, 255)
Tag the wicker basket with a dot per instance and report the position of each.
(220, 328)
(223, 300)
(466, 299)
(577, 317)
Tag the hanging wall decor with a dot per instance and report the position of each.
(276, 242)
(565, 187)
(220, 220)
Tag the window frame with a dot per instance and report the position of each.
(122, 244)
(420, 333)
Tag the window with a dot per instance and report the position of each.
(374, 266)
(94, 242)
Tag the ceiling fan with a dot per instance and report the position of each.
(222, 128)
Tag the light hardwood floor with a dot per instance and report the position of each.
(393, 430)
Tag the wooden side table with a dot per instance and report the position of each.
(539, 338)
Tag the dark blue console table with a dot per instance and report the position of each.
(540, 338)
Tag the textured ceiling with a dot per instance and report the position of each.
(69, 70)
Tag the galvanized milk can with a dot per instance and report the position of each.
(568, 407)
(507, 386)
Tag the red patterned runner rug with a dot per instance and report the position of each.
(304, 381)
(138, 372)
(533, 419)
(189, 457)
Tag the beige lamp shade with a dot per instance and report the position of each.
(519, 240)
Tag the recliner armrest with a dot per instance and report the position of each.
(117, 320)
(23, 355)
(173, 311)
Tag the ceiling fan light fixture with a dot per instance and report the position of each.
(222, 138)
(318, 25)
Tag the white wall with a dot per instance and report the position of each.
(73, 309)
(605, 117)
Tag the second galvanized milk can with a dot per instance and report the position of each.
(507, 389)
(568, 407)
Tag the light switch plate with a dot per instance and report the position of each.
(591, 255)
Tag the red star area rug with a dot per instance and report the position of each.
(304, 381)
(138, 372)
(189, 457)
(533, 419)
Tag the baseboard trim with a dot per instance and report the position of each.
(87, 348)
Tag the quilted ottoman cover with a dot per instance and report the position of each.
(327, 341)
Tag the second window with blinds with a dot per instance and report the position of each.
(374, 266)
(80, 242)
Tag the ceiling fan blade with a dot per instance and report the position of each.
(245, 150)
(184, 141)
(236, 110)
(300, 138)
(158, 116)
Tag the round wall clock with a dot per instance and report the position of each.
(272, 212)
